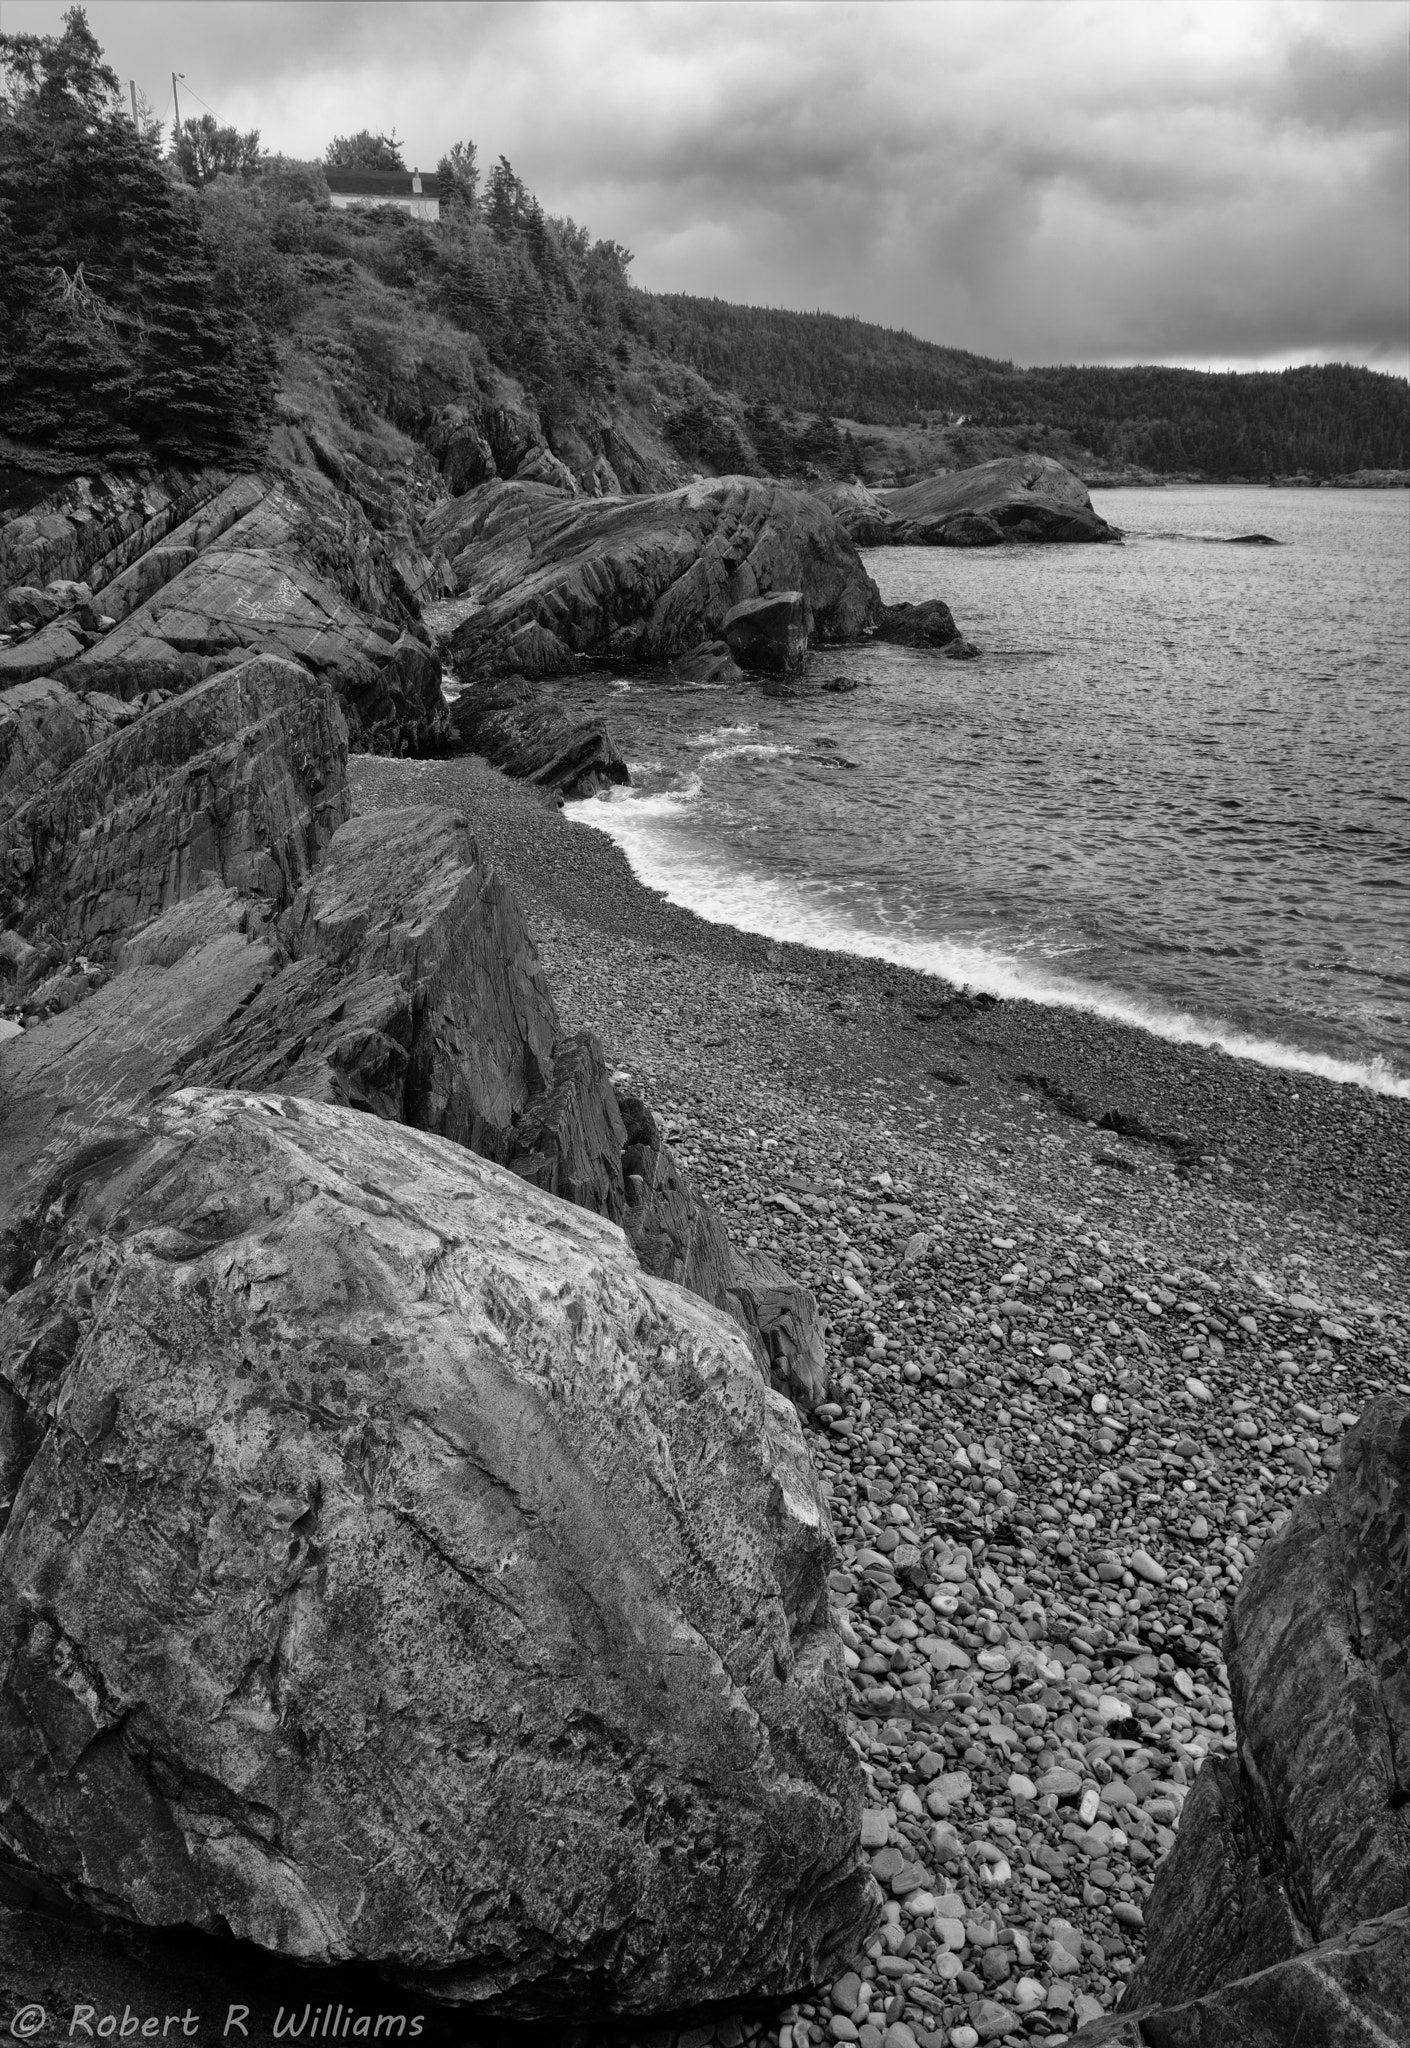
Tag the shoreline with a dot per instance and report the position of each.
(1294, 1143)
(999, 975)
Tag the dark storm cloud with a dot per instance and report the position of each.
(1207, 183)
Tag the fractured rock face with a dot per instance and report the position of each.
(1306, 1835)
(257, 585)
(242, 778)
(638, 579)
(397, 1573)
(536, 740)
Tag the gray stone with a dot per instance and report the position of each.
(445, 1593)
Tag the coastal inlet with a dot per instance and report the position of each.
(1171, 792)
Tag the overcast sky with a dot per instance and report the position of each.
(1141, 181)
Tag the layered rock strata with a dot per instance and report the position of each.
(639, 579)
(478, 1626)
(292, 567)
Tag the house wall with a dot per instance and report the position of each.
(421, 206)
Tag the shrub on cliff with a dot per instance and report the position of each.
(120, 335)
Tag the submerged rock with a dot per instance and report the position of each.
(1304, 1837)
(444, 1592)
(638, 579)
(930, 624)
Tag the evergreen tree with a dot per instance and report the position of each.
(116, 335)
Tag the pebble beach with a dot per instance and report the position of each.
(1099, 1310)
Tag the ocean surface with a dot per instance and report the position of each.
(1175, 790)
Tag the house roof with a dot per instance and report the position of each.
(374, 184)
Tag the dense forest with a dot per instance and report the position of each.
(154, 303)
(1325, 420)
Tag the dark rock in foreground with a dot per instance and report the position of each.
(1017, 498)
(637, 579)
(396, 1572)
(1305, 1838)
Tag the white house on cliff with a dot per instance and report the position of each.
(401, 189)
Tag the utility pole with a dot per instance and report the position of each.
(132, 88)
(176, 104)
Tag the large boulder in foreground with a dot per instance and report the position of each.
(397, 1573)
(1017, 498)
(1304, 1838)
(638, 579)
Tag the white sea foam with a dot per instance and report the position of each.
(759, 750)
(718, 734)
(701, 878)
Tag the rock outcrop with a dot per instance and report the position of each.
(396, 1572)
(293, 568)
(242, 778)
(638, 579)
(1304, 1838)
(1017, 498)
(536, 739)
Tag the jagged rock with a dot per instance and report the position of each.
(464, 455)
(1019, 497)
(768, 635)
(859, 512)
(542, 466)
(51, 648)
(414, 991)
(678, 1236)
(27, 606)
(537, 741)
(252, 588)
(445, 1592)
(44, 727)
(930, 624)
(91, 526)
(1306, 1834)
(783, 1318)
(243, 778)
(638, 579)
(1351, 1992)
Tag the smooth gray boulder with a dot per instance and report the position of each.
(1017, 498)
(397, 1573)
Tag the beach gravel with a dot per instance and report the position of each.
(1076, 1378)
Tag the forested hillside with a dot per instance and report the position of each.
(181, 306)
(1325, 420)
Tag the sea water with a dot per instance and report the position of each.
(1175, 789)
